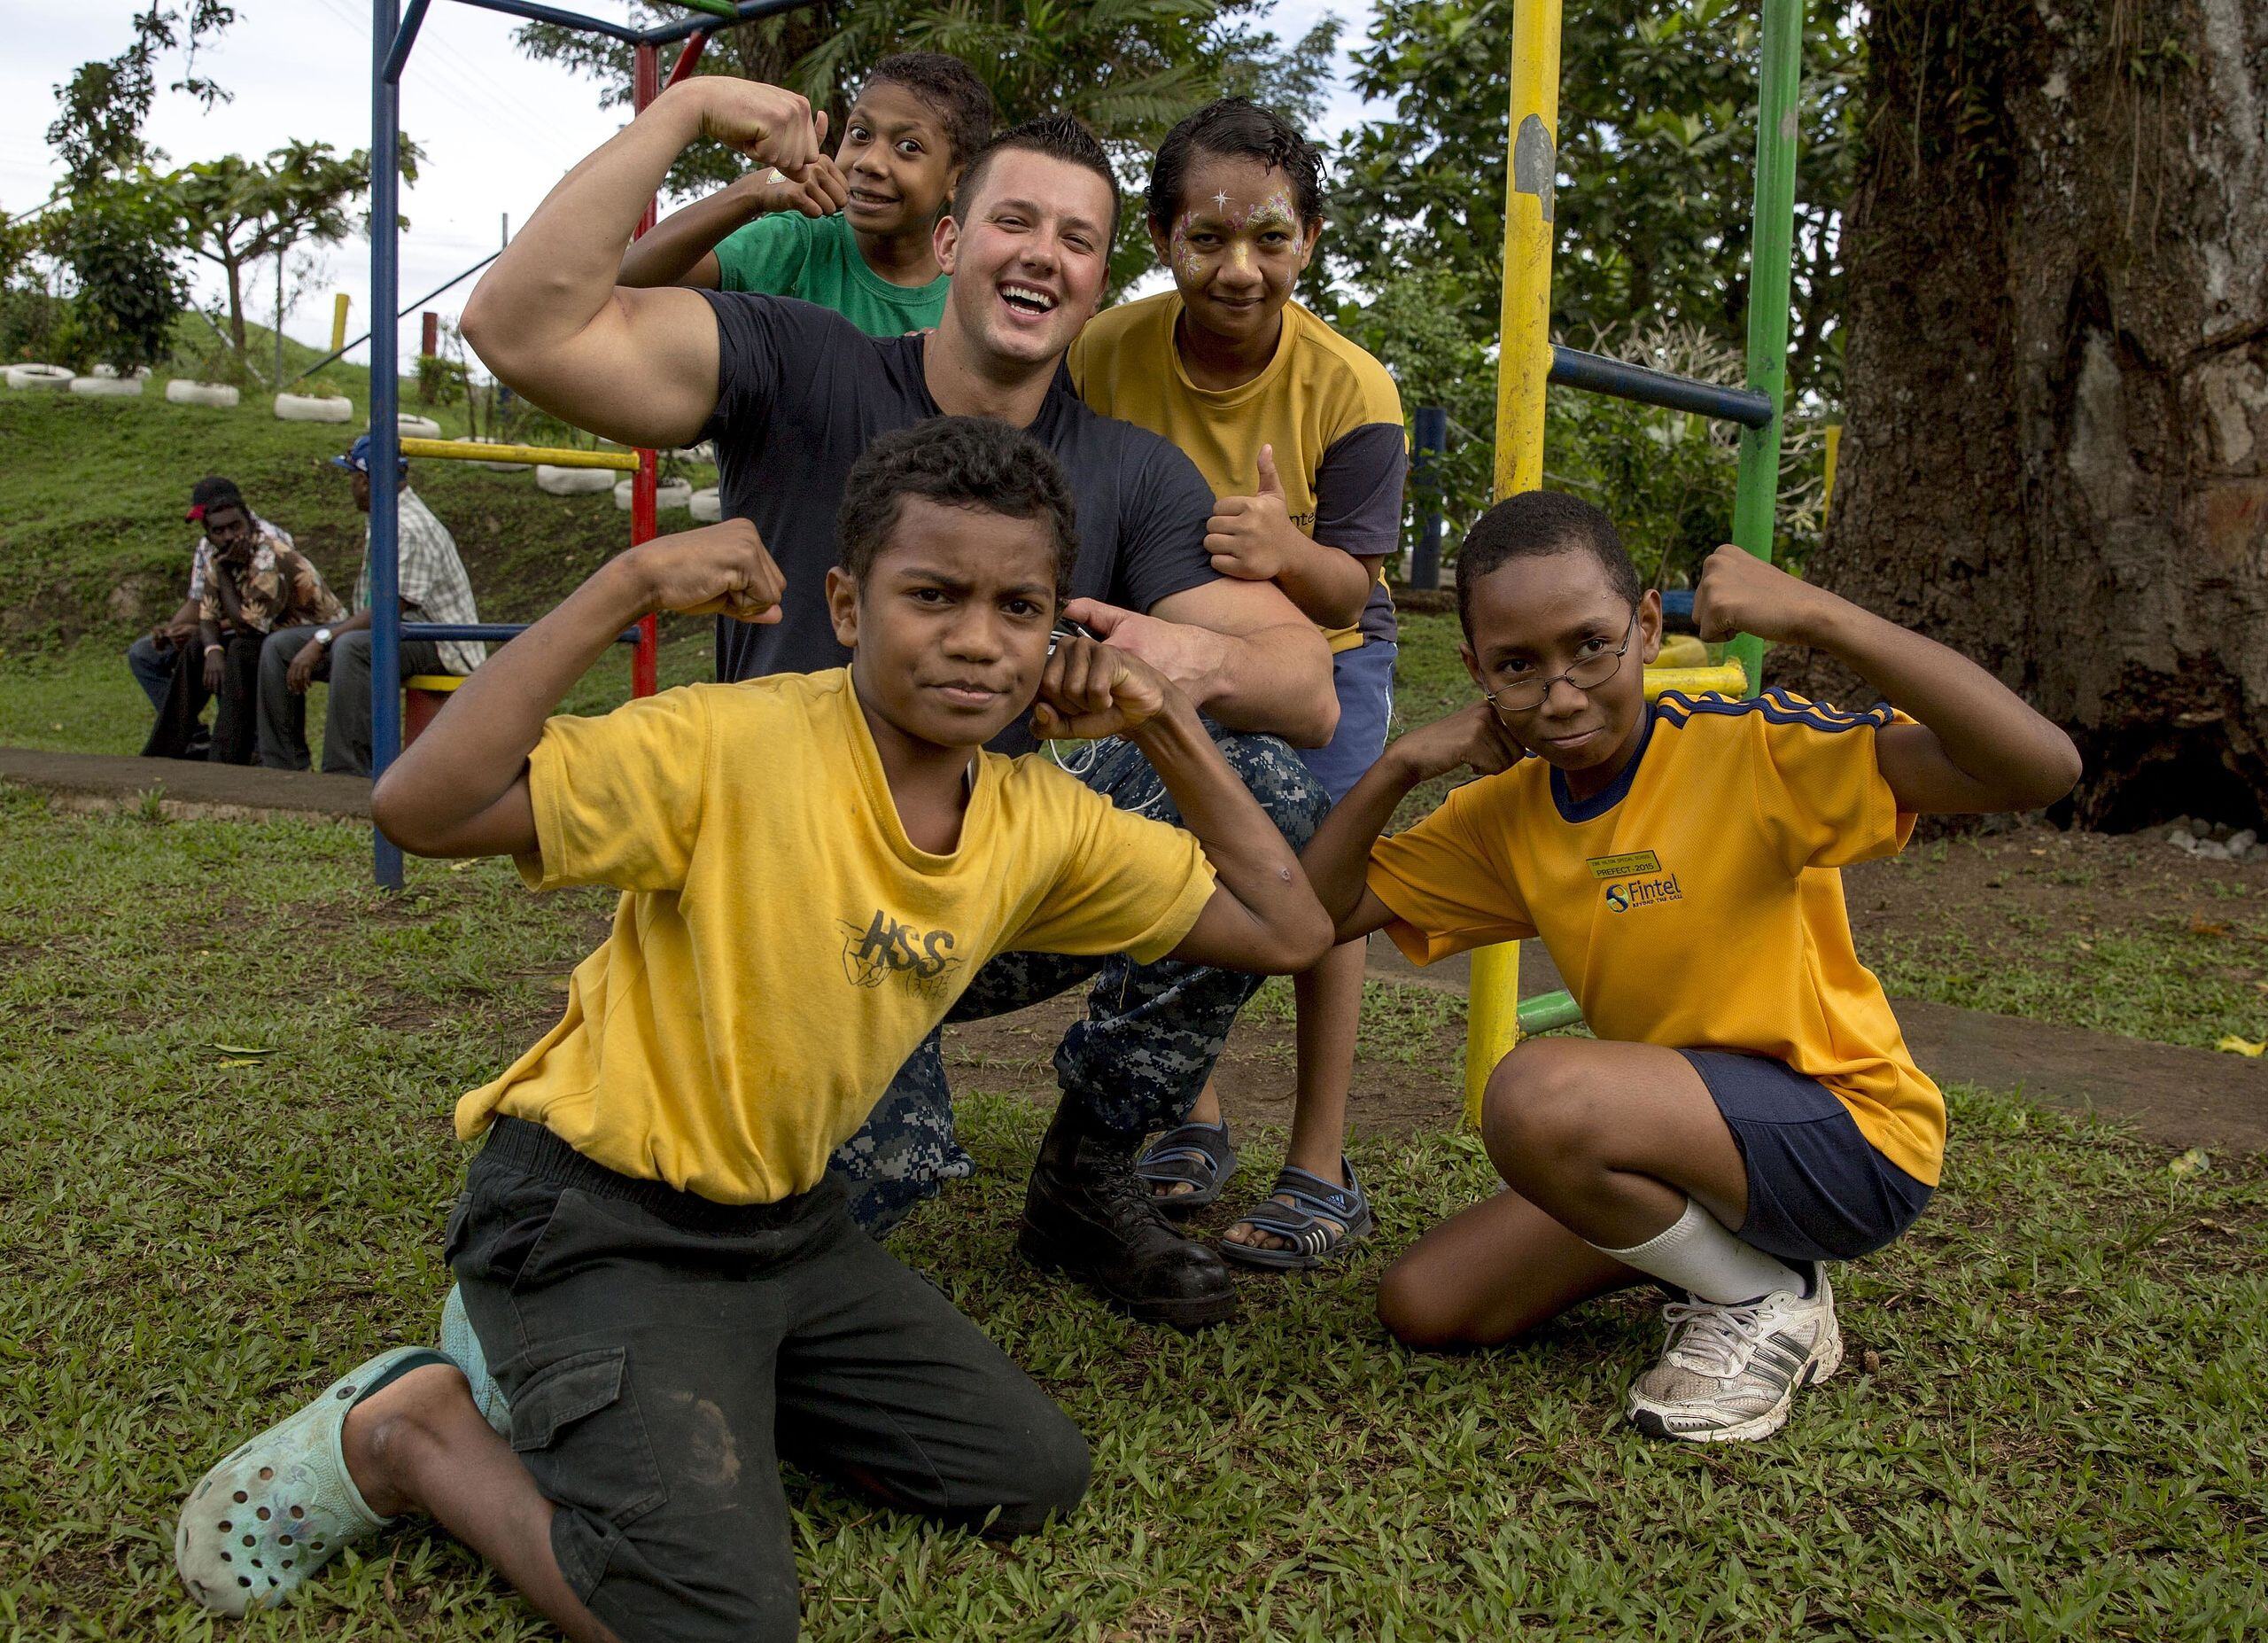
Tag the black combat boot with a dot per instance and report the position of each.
(1086, 1214)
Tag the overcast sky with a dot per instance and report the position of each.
(497, 128)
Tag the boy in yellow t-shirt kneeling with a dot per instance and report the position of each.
(668, 1291)
(1748, 1111)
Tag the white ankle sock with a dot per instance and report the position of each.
(1698, 1255)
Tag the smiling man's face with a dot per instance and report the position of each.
(1027, 267)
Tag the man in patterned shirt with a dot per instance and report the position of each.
(433, 589)
(252, 582)
(154, 659)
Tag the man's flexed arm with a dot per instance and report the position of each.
(548, 319)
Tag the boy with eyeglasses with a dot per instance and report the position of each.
(1748, 1110)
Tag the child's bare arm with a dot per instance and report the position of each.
(1252, 538)
(1338, 855)
(681, 248)
(462, 790)
(1978, 745)
(1262, 915)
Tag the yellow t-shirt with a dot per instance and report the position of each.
(781, 946)
(1330, 409)
(1695, 904)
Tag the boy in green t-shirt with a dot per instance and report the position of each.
(855, 236)
(670, 1293)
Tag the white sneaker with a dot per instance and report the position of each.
(1731, 1372)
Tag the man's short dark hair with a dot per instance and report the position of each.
(1237, 128)
(1536, 524)
(211, 492)
(962, 462)
(962, 102)
(1061, 136)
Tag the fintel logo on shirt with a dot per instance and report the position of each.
(1639, 880)
(884, 947)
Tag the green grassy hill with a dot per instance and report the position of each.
(93, 549)
(92, 544)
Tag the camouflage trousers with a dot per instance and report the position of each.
(1152, 1032)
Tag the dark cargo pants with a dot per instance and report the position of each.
(1152, 1032)
(663, 1354)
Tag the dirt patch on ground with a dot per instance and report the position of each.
(1987, 885)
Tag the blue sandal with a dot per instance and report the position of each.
(1322, 1219)
(1196, 1156)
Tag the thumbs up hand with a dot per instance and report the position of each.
(1252, 538)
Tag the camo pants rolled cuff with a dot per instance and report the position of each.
(1139, 1059)
(907, 1148)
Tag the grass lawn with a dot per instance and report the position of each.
(225, 1071)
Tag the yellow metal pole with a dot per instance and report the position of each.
(1524, 364)
(465, 450)
(339, 321)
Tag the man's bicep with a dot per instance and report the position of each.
(642, 372)
(1229, 606)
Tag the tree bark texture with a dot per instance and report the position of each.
(2055, 454)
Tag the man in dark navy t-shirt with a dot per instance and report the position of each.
(801, 392)
(790, 397)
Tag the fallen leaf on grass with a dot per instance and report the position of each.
(241, 1061)
(2200, 925)
(242, 1049)
(2236, 1046)
(2189, 1163)
(460, 867)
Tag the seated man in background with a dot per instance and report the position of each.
(251, 588)
(152, 657)
(433, 588)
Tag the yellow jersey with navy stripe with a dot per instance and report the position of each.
(1695, 903)
(1331, 410)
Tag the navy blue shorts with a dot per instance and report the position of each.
(1817, 1188)
(1362, 678)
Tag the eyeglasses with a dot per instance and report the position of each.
(1593, 671)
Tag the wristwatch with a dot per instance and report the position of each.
(324, 636)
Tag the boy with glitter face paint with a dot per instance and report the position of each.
(1300, 433)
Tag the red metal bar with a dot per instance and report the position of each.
(687, 56)
(645, 662)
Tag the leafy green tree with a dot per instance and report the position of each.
(1657, 108)
(117, 246)
(233, 212)
(1129, 69)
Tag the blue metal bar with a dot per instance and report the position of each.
(565, 20)
(404, 38)
(669, 34)
(1595, 373)
(386, 429)
(1677, 602)
(1432, 442)
(496, 631)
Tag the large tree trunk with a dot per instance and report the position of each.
(2058, 376)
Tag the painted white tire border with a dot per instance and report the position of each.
(31, 376)
(307, 407)
(572, 481)
(181, 390)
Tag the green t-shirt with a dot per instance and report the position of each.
(789, 254)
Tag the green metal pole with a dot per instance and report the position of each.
(1772, 250)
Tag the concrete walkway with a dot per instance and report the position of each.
(187, 787)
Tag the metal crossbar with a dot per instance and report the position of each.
(1595, 373)
(500, 631)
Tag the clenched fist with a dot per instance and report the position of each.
(1092, 689)
(1739, 593)
(720, 569)
(772, 127)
